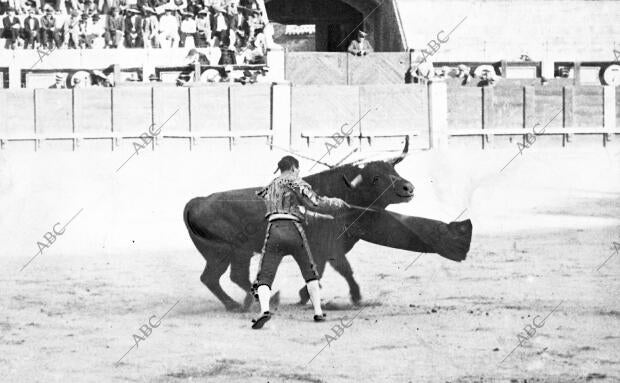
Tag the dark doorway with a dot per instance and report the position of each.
(339, 36)
(336, 22)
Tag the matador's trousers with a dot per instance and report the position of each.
(283, 237)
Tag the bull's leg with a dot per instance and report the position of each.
(343, 267)
(240, 274)
(211, 278)
(304, 296)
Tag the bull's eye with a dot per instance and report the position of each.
(375, 179)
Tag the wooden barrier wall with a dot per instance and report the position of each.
(330, 68)
(570, 115)
(375, 117)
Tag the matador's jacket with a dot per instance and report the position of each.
(286, 198)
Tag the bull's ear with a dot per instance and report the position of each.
(354, 183)
(402, 156)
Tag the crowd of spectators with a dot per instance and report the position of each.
(483, 75)
(232, 27)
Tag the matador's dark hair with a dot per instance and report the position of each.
(287, 163)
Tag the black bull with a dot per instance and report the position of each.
(229, 227)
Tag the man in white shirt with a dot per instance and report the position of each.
(169, 30)
(188, 28)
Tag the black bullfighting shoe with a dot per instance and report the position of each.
(320, 318)
(260, 322)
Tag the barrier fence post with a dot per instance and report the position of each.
(438, 114)
(281, 114)
(275, 60)
(488, 113)
(609, 111)
(568, 104)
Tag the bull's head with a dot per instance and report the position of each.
(368, 183)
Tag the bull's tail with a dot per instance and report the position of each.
(455, 242)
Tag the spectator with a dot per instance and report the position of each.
(114, 29)
(133, 28)
(150, 27)
(12, 27)
(463, 73)
(169, 30)
(84, 27)
(188, 28)
(31, 29)
(60, 83)
(97, 31)
(49, 34)
(360, 46)
(71, 30)
(59, 25)
(203, 28)
(257, 52)
(228, 31)
(220, 27)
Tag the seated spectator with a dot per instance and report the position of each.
(97, 32)
(256, 54)
(59, 27)
(71, 30)
(360, 46)
(114, 29)
(220, 26)
(12, 26)
(260, 40)
(31, 29)
(84, 28)
(49, 34)
(133, 28)
(203, 28)
(188, 28)
(255, 22)
(169, 30)
(150, 28)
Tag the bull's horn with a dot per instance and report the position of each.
(356, 181)
(402, 156)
